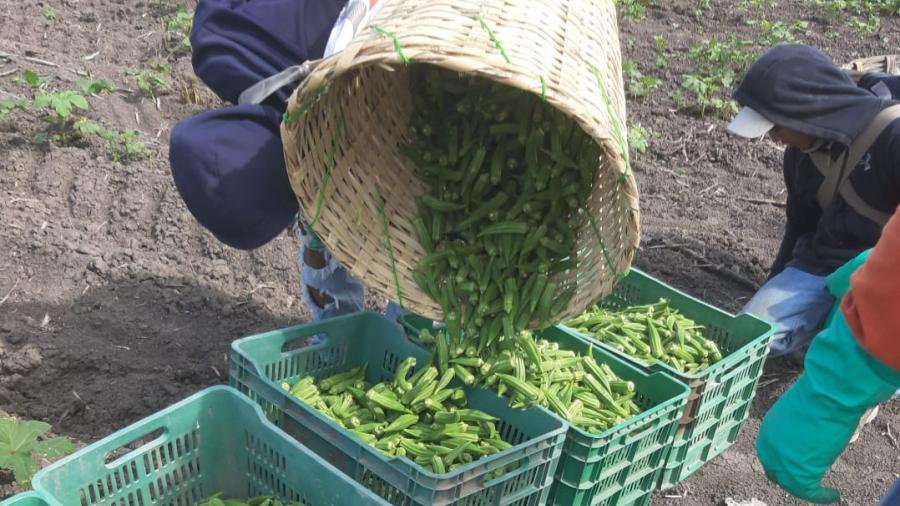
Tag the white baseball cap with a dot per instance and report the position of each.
(750, 124)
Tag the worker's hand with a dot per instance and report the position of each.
(310, 239)
(314, 242)
(815, 494)
(809, 426)
(838, 282)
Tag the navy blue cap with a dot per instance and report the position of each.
(229, 168)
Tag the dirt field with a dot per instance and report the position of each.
(115, 303)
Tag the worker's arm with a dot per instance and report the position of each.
(800, 217)
(849, 368)
(872, 307)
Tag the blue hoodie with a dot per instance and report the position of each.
(797, 87)
(228, 164)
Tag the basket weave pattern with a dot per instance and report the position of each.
(355, 106)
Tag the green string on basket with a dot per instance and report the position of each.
(543, 89)
(617, 132)
(600, 241)
(335, 141)
(307, 105)
(387, 240)
(397, 46)
(493, 38)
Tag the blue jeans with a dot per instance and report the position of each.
(797, 303)
(892, 497)
(333, 280)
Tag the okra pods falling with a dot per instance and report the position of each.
(486, 152)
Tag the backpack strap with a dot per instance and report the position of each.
(835, 182)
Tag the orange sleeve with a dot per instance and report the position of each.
(872, 306)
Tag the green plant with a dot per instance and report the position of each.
(774, 33)
(717, 66)
(8, 105)
(162, 8)
(33, 79)
(633, 9)
(638, 138)
(702, 7)
(125, 145)
(59, 107)
(759, 5)
(151, 79)
(864, 16)
(638, 85)
(95, 87)
(178, 29)
(660, 44)
(704, 93)
(712, 54)
(85, 127)
(24, 444)
(48, 12)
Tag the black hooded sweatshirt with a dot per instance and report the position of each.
(797, 87)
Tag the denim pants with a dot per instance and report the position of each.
(892, 497)
(333, 280)
(797, 303)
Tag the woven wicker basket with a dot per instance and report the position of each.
(569, 51)
(889, 64)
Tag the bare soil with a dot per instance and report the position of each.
(114, 303)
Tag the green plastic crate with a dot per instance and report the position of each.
(214, 441)
(26, 499)
(720, 394)
(260, 363)
(619, 467)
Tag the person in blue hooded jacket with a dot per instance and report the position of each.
(838, 198)
(228, 163)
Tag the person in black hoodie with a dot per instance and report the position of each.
(797, 96)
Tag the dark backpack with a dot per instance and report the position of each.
(881, 84)
(836, 181)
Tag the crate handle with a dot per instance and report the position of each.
(112, 449)
(306, 330)
(524, 466)
(640, 433)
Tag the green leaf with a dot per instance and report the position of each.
(96, 87)
(41, 138)
(42, 101)
(8, 105)
(12, 103)
(160, 67)
(54, 448)
(108, 135)
(79, 101)
(33, 79)
(62, 107)
(21, 435)
(86, 126)
(22, 466)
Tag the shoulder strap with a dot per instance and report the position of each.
(841, 182)
(824, 164)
